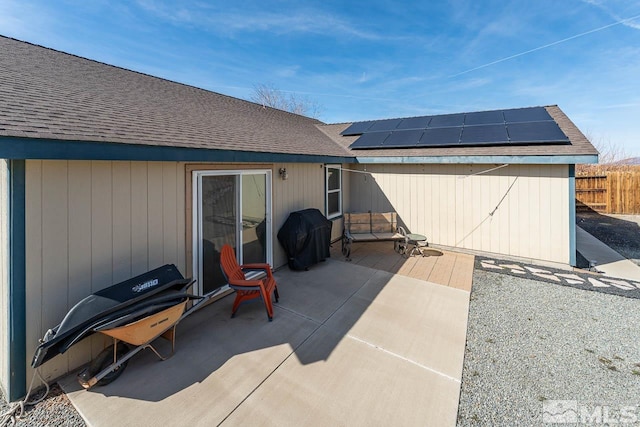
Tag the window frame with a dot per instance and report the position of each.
(338, 213)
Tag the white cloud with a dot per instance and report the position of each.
(363, 78)
(623, 106)
(548, 45)
(287, 72)
(21, 20)
(620, 10)
(470, 84)
(231, 22)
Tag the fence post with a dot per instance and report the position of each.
(608, 181)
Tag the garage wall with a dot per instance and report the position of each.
(4, 274)
(452, 206)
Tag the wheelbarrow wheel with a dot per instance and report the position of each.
(104, 359)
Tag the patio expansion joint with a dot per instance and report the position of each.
(320, 324)
(413, 362)
(304, 316)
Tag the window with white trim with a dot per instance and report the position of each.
(333, 198)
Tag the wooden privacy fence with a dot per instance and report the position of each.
(615, 192)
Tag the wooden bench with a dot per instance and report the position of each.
(372, 227)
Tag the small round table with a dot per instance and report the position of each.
(418, 241)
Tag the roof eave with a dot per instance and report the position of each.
(48, 149)
(53, 149)
(501, 159)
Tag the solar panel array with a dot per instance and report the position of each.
(518, 126)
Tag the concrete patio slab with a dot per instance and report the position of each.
(389, 309)
(241, 352)
(348, 345)
(320, 295)
(359, 385)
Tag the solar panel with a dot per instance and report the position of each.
(488, 134)
(357, 128)
(440, 137)
(382, 125)
(415, 123)
(532, 114)
(484, 118)
(446, 120)
(536, 132)
(403, 138)
(531, 125)
(370, 140)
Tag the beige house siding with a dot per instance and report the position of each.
(452, 206)
(90, 224)
(4, 273)
(305, 188)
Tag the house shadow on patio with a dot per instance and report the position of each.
(347, 343)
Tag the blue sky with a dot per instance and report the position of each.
(373, 59)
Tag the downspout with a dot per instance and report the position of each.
(572, 215)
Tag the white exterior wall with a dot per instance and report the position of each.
(452, 207)
(90, 224)
(4, 275)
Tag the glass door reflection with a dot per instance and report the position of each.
(218, 225)
(231, 207)
(254, 219)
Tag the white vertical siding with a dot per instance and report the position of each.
(456, 208)
(90, 224)
(4, 273)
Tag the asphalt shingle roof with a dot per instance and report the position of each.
(52, 95)
(580, 145)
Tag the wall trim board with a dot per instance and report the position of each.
(50, 149)
(17, 282)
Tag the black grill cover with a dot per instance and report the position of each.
(305, 237)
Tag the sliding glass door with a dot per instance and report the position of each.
(230, 207)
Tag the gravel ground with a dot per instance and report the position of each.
(55, 410)
(530, 342)
(624, 288)
(620, 232)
